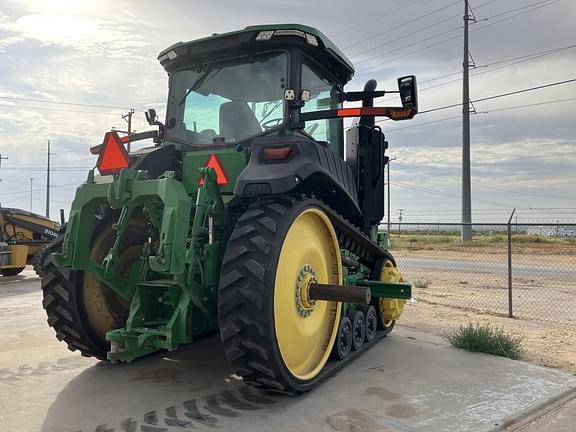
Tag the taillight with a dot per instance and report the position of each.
(113, 156)
(277, 153)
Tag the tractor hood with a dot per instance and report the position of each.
(256, 39)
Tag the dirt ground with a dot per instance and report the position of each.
(547, 344)
(559, 253)
(456, 285)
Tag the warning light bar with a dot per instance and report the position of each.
(395, 113)
(113, 156)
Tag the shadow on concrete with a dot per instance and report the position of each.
(187, 389)
(407, 382)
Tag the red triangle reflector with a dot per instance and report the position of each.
(214, 163)
(113, 156)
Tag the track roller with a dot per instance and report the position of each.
(358, 328)
(371, 322)
(343, 345)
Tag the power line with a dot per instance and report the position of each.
(426, 15)
(484, 112)
(442, 193)
(403, 37)
(400, 48)
(42, 189)
(492, 97)
(51, 169)
(481, 182)
(34, 108)
(504, 94)
(538, 3)
(63, 103)
(521, 59)
(533, 6)
(530, 105)
(423, 124)
(363, 23)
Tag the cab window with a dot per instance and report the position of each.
(323, 96)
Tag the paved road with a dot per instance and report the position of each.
(489, 267)
(408, 382)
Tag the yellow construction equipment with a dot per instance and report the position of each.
(22, 238)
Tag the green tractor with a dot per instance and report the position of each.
(244, 217)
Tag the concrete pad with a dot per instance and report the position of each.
(407, 382)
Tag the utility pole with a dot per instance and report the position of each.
(400, 213)
(128, 118)
(48, 182)
(390, 159)
(31, 180)
(466, 188)
(1, 159)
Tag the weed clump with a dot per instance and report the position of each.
(486, 339)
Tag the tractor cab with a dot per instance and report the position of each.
(278, 90)
(231, 88)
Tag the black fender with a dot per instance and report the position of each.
(156, 160)
(310, 168)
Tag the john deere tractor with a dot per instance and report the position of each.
(245, 217)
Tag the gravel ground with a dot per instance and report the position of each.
(546, 344)
(457, 284)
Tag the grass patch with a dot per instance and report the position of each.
(486, 339)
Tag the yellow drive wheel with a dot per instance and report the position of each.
(389, 309)
(305, 329)
(273, 333)
(104, 309)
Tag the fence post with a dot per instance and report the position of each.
(509, 232)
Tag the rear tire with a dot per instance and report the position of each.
(80, 324)
(11, 271)
(272, 336)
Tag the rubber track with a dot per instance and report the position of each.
(38, 260)
(59, 288)
(244, 297)
(351, 238)
(63, 290)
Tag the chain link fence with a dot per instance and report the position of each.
(518, 270)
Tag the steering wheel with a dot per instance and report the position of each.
(269, 124)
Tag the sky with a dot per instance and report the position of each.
(60, 58)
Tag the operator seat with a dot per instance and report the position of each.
(237, 121)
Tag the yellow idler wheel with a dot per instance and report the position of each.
(274, 335)
(389, 309)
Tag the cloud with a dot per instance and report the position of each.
(104, 52)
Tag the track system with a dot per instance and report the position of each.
(246, 301)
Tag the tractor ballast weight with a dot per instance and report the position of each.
(243, 218)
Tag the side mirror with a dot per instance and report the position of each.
(408, 91)
(151, 116)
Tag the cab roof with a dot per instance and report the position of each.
(257, 38)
